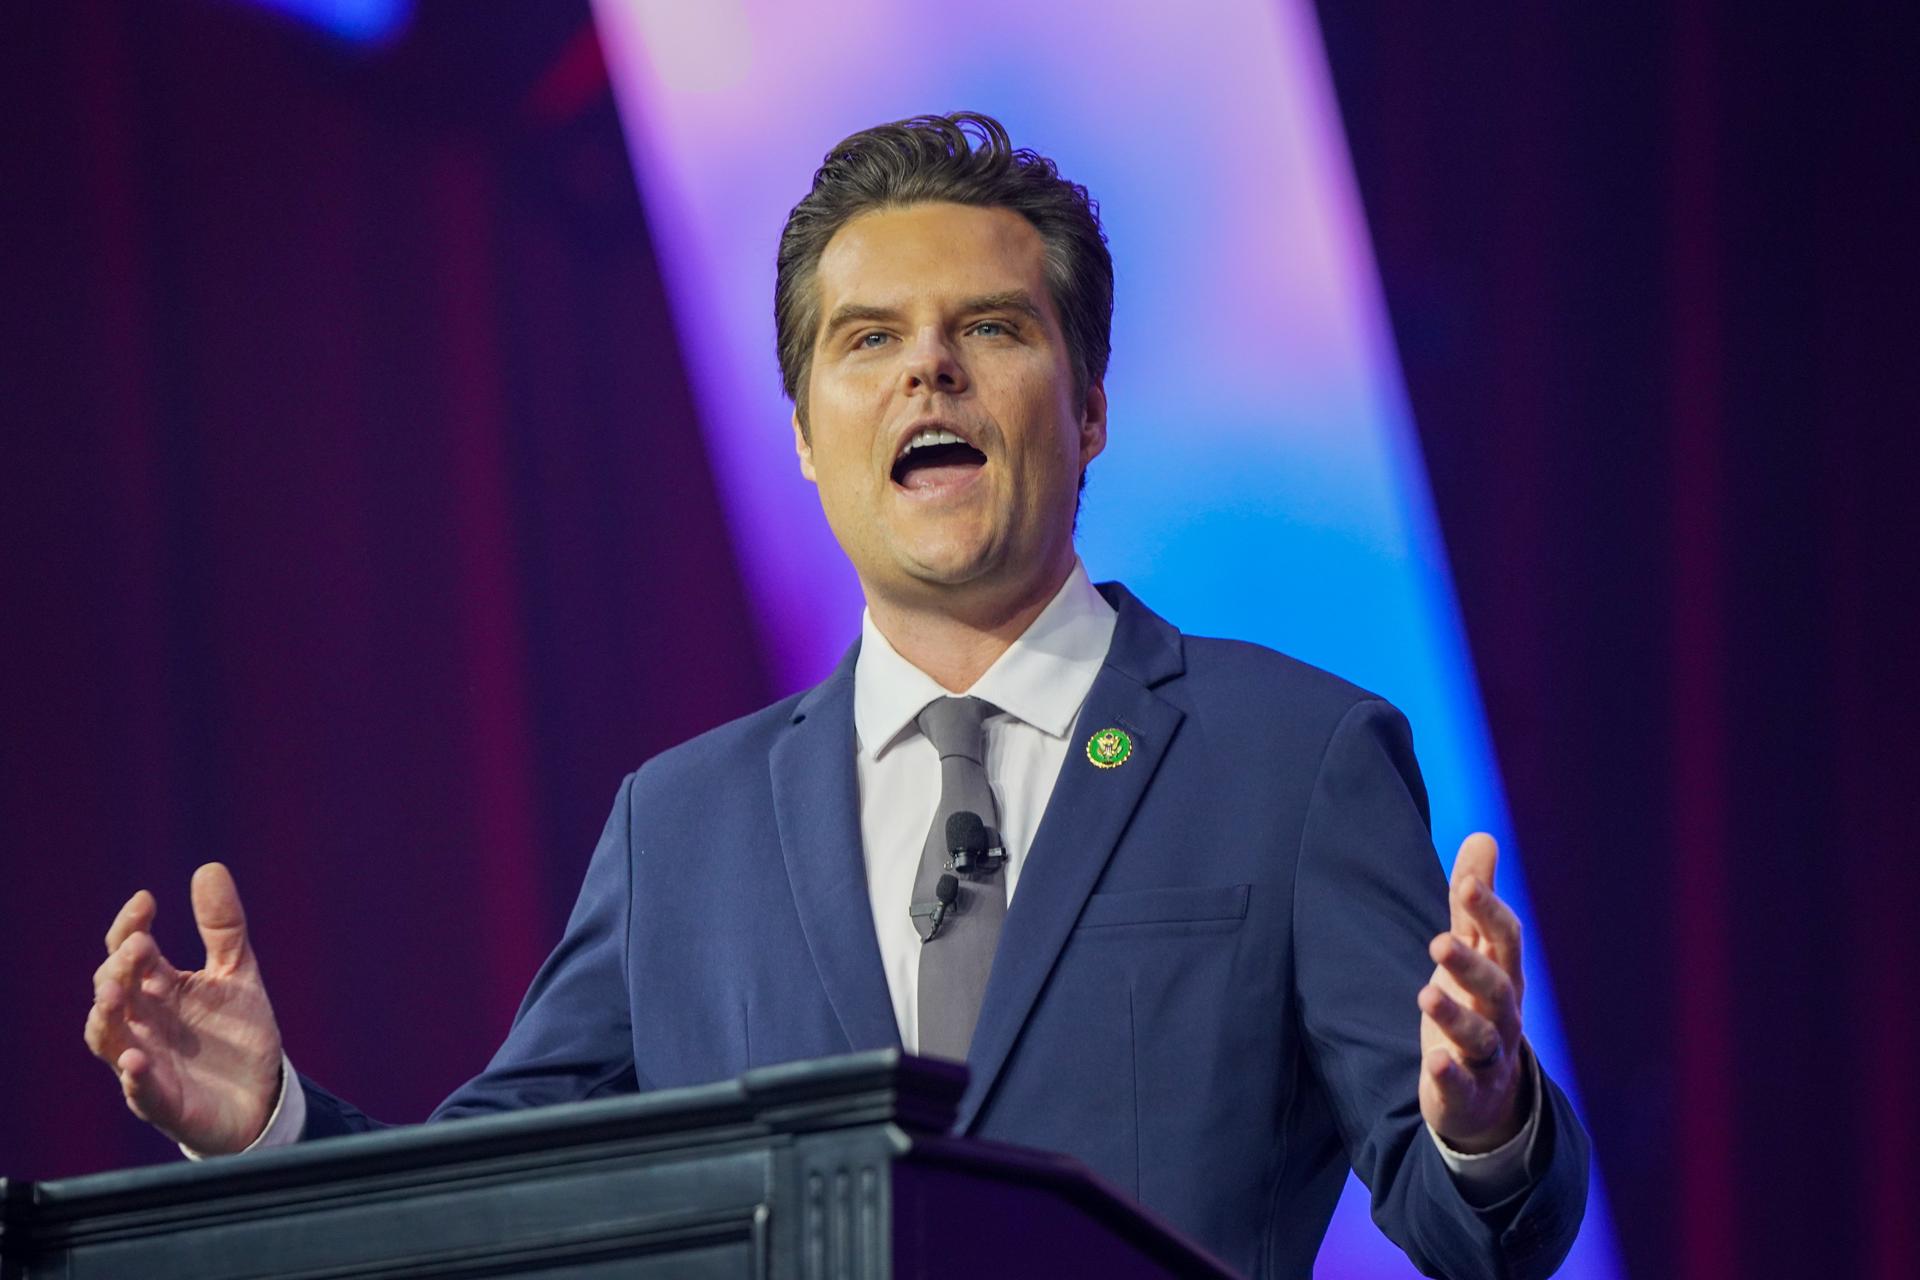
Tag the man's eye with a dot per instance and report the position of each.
(991, 329)
(874, 339)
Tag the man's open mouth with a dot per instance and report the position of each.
(933, 457)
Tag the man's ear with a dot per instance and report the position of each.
(1093, 423)
(803, 448)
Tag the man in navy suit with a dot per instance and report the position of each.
(1229, 965)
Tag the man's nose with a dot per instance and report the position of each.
(933, 364)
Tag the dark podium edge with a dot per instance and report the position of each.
(916, 1097)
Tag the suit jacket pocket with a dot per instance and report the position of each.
(1188, 903)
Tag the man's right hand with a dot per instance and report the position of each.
(198, 1051)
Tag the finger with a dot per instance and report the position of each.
(1499, 926)
(1475, 1041)
(135, 917)
(137, 959)
(1485, 983)
(151, 1090)
(1475, 861)
(135, 1068)
(222, 921)
(107, 1034)
(1446, 1072)
(113, 1032)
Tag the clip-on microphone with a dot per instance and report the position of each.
(970, 850)
(945, 890)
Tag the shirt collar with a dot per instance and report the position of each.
(1042, 678)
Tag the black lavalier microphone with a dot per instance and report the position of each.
(970, 850)
(945, 890)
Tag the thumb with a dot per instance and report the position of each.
(222, 920)
(1475, 861)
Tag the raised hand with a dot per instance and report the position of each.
(1470, 1041)
(197, 1051)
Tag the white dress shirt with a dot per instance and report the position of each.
(1039, 685)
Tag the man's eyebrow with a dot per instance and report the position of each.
(855, 313)
(1010, 300)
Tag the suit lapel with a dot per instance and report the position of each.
(816, 802)
(1085, 818)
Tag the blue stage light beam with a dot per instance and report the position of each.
(364, 20)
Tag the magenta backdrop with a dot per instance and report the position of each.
(358, 530)
(1652, 272)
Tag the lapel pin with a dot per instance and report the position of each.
(1109, 748)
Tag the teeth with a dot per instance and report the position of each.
(930, 436)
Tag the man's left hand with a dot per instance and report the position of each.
(1470, 1044)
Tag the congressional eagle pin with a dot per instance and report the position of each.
(1109, 748)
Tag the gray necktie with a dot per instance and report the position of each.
(955, 961)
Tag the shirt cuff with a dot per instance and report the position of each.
(1488, 1178)
(284, 1126)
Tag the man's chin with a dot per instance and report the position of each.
(947, 573)
(952, 569)
(984, 578)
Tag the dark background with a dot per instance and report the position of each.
(357, 531)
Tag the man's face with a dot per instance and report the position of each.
(936, 323)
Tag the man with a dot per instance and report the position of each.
(1173, 900)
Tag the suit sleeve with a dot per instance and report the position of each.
(572, 1037)
(1369, 897)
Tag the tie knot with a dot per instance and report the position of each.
(957, 727)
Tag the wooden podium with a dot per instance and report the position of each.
(835, 1168)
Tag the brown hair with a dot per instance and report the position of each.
(963, 158)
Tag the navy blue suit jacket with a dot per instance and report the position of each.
(1204, 988)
